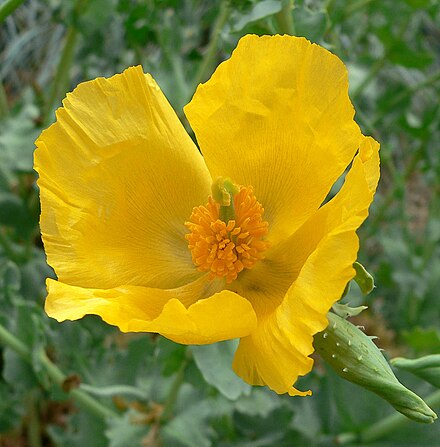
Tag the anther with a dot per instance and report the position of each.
(226, 235)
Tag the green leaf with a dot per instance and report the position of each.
(10, 279)
(81, 429)
(261, 10)
(363, 279)
(310, 24)
(124, 431)
(401, 54)
(170, 355)
(12, 211)
(214, 362)
(17, 372)
(260, 402)
(418, 3)
(17, 136)
(189, 426)
(423, 340)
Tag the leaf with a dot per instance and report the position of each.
(82, 429)
(214, 362)
(12, 211)
(423, 340)
(17, 372)
(310, 24)
(10, 279)
(401, 54)
(189, 426)
(125, 430)
(170, 356)
(260, 11)
(418, 3)
(363, 279)
(17, 137)
(260, 402)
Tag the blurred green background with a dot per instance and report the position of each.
(140, 389)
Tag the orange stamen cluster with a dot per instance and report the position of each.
(226, 248)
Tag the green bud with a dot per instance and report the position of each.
(354, 356)
(427, 368)
(364, 280)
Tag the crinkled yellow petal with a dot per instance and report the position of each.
(324, 248)
(277, 116)
(118, 177)
(221, 316)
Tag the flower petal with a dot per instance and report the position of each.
(277, 116)
(118, 177)
(325, 247)
(221, 316)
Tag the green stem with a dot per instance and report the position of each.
(8, 7)
(385, 426)
(61, 79)
(14, 343)
(205, 67)
(87, 402)
(174, 390)
(285, 19)
(4, 108)
(60, 82)
(33, 425)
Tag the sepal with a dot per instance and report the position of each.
(364, 280)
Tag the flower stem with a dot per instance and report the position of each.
(284, 18)
(174, 390)
(4, 109)
(205, 67)
(8, 7)
(384, 427)
(87, 402)
(33, 425)
(60, 82)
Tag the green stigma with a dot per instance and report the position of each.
(223, 192)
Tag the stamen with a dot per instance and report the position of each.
(225, 238)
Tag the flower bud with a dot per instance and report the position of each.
(355, 357)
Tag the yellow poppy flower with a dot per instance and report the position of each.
(146, 232)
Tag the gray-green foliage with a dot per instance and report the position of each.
(393, 56)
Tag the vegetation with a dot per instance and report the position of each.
(85, 383)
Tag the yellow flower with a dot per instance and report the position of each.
(146, 232)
